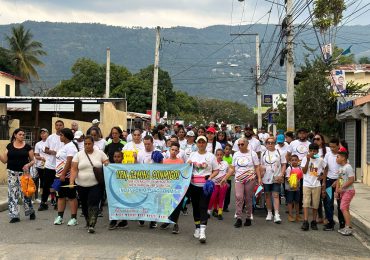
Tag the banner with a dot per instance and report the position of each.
(148, 192)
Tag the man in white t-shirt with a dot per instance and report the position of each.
(52, 146)
(254, 144)
(299, 147)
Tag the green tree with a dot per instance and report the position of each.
(24, 52)
(343, 59)
(5, 61)
(328, 13)
(364, 60)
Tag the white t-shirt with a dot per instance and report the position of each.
(315, 169)
(272, 162)
(331, 161)
(283, 149)
(188, 149)
(53, 143)
(287, 175)
(244, 164)
(223, 168)
(143, 134)
(85, 176)
(299, 148)
(159, 144)
(40, 149)
(345, 172)
(81, 145)
(253, 145)
(182, 143)
(203, 165)
(263, 136)
(180, 155)
(131, 146)
(68, 150)
(144, 157)
(100, 144)
(209, 147)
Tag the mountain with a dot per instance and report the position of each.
(203, 62)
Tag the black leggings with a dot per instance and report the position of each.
(228, 195)
(90, 198)
(200, 204)
(49, 176)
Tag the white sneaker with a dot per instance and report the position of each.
(235, 216)
(251, 217)
(197, 233)
(202, 235)
(38, 201)
(277, 218)
(72, 222)
(269, 216)
(58, 220)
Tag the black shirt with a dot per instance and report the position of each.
(111, 148)
(17, 157)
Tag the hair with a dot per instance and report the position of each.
(323, 144)
(334, 140)
(313, 146)
(271, 138)
(294, 156)
(89, 137)
(175, 136)
(148, 137)
(119, 130)
(343, 143)
(225, 137)
(228, 145)
(16, 131)
(155, 131)
(219, 150)
(345, 154)
(67, 133)
(175, 144)
(137, 129)
(94, 128)
(161, 127)
(120, 152)
(201, 127)
(179, 128)
(290, 134)
(59, 121)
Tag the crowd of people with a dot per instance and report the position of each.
(255, 167)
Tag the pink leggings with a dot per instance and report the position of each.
(244, 193)
(218, 197)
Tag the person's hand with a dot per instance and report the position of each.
(339, 191)
(260, 181)
(336, 195)
(323, 193)
(310, 155)
(190, 162)
(334, 184)
(223, 182)
(62, 177)
(26, 168)
(43, 159)
(71, 184)
(106, 163)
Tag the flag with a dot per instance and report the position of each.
(347, 51)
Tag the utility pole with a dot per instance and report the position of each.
(107, 75)
(258, 74)
(155, 78)
(290, 69)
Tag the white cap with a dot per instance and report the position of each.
(78, 134)
(190, 133)
(95, 121)
(201, 137)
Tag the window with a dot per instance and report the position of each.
(7, 90)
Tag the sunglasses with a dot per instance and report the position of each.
(240, 144)
(270, 143)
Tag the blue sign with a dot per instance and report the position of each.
(267, 99)
(148, 192)
(341, 107)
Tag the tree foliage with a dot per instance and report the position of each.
(364, 60)
(24, 52)
(328, 13)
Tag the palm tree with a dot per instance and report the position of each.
(24, 52)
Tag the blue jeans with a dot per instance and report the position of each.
(329, 205)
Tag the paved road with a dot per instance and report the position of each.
(41, 239)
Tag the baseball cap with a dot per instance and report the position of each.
(302, 129)
(280, 139)
(78, 134)
(95, 121)
(201, 137)
(44, 130)
(211, 129)
(190, 133)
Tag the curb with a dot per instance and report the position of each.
(3, 205)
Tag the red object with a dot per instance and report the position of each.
(211, 129)
(342, 149)
(298, 172)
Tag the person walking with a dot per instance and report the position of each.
(40, 157)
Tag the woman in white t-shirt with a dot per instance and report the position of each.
(181, 135)
(245, 166)
(205, 167)
(89, 191)
(273, 166)
(99, 142)
(64, 158)
(136, 145)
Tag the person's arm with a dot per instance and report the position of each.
(283, 169)
(258, 172)
(305, 167)
(4, 156)
(74, 173)
(230, 172)
(31, 157)
(66, 169)
(287, 156)
(214, 174)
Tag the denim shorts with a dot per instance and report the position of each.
(274, 187)
(292, 196)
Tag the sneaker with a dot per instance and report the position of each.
(247, 222)
(342, 225)
(235, 216)
(53, 202)
(153, 224)
(123, 224)
(82, 215)
(91, 230)
(43, 206)
(112, 224)
(214, 213)
(32, 216)
(58, 220)
(328, 227)
(220, 217)
(277, 218)
(37, 201)
(196, 233)
(14, 220)
(72, 222)
(305, 226)
(298, 218)
(202, 234)
(252, 216)
(269, 216)
(141, 223)
(175, 229)
(164, 226)
(291, 218)
(238, 223)
(346, 231)
(314, 225)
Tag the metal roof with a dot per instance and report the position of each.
(59, 100)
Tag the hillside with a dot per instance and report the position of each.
(227, 74)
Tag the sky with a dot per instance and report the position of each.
(152, 13)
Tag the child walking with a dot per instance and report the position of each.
(229, 159)
(344, 189)
(219, 192)
(293, 191)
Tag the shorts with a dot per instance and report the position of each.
(311, 197)
(274, 187)
(66, 192)
(292, 196)
(346, 198)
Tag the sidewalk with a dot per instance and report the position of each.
(3, 197)
(360, 208)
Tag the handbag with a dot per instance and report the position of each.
(98, 172)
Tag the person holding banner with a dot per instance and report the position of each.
(205, 167)
(136, 145)
(82, 173)
(246, 167)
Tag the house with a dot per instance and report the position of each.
(9, 84)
